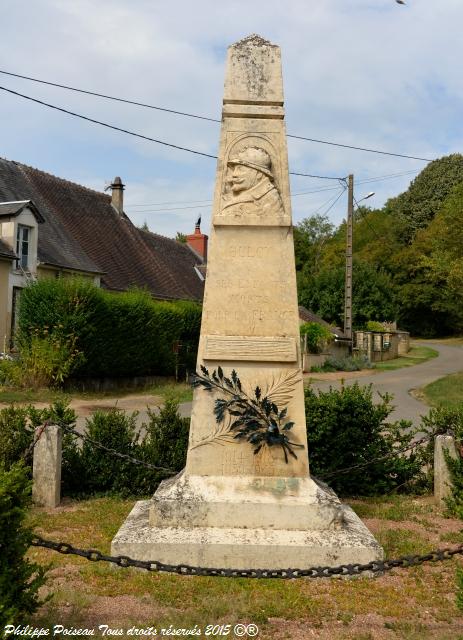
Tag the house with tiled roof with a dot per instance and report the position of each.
(51, 227)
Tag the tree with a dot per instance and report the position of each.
(429, 273)
(420, 203)
(310, 238)
(372, 294)
(180, 237)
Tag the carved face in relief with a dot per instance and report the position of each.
(250, 189)
(243, 178)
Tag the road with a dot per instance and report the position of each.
(398, 383)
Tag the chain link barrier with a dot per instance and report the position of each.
(28, 452)
(375, 567)
(362, 465)
(171, 472)
(118, 454)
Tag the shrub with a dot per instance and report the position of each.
(17, 425)
(317, 336)
(374, 325)
(46, 361)
(102, 471)
(89, 470)
(346, 363)
(166, 442)
(16, 434)
(20, 579)
(91, 332)
(346, 428)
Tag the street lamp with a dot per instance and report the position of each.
(349, 244)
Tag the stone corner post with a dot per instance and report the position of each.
(46, 470)
(442, 478)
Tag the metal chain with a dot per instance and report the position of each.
(118, 454)
(393, 454)
(31, 447)
(376, 566)
(171, 472)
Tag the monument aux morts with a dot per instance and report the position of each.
(245, 498)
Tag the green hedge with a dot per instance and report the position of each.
(346, 428)
(116, 334)
(20, 579)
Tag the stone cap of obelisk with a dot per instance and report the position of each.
(253, 73)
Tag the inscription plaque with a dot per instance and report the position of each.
(254, 349)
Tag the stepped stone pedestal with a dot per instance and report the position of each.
(232, 507)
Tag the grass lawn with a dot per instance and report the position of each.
(416, 355)
(444, 392)
(414, 603)
(180, 390)
(457, 340)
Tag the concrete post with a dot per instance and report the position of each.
(46, 473)
(442, 478)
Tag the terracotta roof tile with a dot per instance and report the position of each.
(83, 231)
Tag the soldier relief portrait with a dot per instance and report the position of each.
(250, 191)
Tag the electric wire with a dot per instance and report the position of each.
(199, 117)
(332, 205)
(107, 97)
(366, 220)
(350, 146)
(136, 208)
(138, 135)
(293, 195)
(108, 126)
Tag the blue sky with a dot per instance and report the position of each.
(369, 73)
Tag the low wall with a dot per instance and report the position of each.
(110, 384)
(310, 360)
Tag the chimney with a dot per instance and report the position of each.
(198, 241)
(117, 195)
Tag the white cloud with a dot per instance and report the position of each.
(363, 72)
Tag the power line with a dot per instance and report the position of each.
(366, 220)
(332, 205)
(349, 146)
(207, 202)
(386, 177)
(137, 135)
(102, 95)
(109, 126)
(198, 117)
(204, 203)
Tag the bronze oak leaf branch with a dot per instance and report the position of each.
(254, 418)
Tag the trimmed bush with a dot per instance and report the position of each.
(20, 579)
(102, 472)
(346, 363)
(346, 428)
(318, 336)
(88, 470)
(166, 441)
(104, 334)
(16, 434)
(374, 325)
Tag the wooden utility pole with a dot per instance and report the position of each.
(349, 238)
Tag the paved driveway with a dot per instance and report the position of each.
(399, 383)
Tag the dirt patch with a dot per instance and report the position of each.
(339, 375)
(361, 627)
(126, 403)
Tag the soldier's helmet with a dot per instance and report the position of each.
(255, 158)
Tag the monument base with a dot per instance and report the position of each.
(345, 540)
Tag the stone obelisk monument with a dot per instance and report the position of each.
(236, 504)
